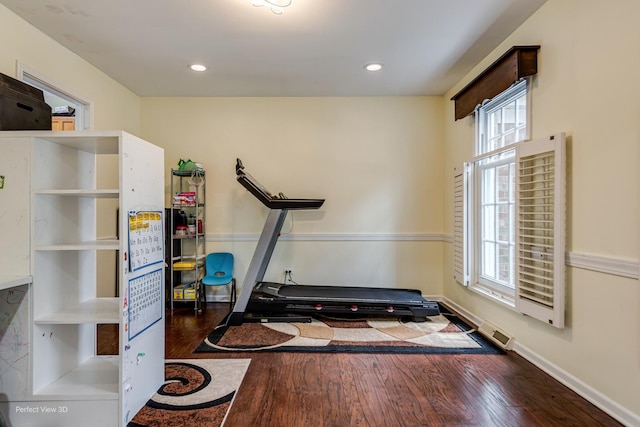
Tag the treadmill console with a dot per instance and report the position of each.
(270, 200)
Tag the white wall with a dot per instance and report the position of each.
(587, 87)
(377, 161)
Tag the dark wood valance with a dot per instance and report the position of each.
(517, 63)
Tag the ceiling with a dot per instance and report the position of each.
(316, 48)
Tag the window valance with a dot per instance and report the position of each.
(517, 63)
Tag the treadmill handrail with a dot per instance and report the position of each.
(269, 200)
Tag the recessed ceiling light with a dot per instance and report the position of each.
(373, 67)
(277, 6)
(198, 67)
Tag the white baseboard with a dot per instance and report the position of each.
(607, 405)
(598, 399)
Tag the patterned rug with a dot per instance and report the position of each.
(196, 392)
(446, 334)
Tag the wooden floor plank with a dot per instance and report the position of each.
(341, 405)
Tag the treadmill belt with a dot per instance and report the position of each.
(353, 294)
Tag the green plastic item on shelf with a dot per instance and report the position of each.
(188, 167)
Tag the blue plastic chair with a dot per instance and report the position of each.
(219, 272)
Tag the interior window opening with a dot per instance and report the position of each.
(69, 110)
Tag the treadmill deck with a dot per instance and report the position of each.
(353, 294)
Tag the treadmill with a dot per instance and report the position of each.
(260, 301)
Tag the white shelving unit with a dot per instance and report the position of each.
(64, 193)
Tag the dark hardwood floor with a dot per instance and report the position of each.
(340, 390)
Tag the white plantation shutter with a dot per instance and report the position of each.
(460, 273)
(540, 229)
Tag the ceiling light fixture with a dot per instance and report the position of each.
(198, 67)
(276, 6)
(373, 67)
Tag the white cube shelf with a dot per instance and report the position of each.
(55, 264)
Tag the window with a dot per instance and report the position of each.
(500, 123)
(509, 211)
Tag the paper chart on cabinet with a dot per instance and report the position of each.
(145, 239)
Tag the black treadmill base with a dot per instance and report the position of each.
(278, 302)
(259, 303)
(302, 315)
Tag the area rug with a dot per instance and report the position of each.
(445, 333)
(196, 392)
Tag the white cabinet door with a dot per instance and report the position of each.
(142, 272)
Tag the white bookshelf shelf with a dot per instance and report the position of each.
(94, 194)
(98, 245)
(96, 378)
(97, 310)
(94, 142)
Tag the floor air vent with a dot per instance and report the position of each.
(499, 337)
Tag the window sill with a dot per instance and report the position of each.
(506, 301)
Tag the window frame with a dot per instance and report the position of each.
(479, 239)
(51, 88)
(504, 293)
